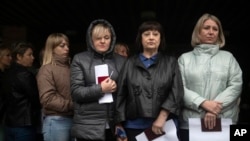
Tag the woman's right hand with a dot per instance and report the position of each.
(108, 85)
(214, 107)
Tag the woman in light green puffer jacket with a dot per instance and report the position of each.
(212, 77)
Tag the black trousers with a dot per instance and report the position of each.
(184, 135)
(132, 133)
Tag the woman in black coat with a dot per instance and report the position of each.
(150, 88)
(22, 112)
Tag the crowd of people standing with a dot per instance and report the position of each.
(107, 93)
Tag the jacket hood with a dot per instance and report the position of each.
(89, 42)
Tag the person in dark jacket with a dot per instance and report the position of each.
(22, 112)
(5, 62)
(150, 88)
(93, 116)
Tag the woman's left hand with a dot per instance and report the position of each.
(210, 120)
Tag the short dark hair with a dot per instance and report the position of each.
(20, 48)
(150, 25)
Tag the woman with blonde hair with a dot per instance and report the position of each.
(94, 120)
(5, 58)
(212, 77)
(53, 81)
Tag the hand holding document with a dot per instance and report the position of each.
(101, 73)
(169, 135)
(216, 128)
(220, 133)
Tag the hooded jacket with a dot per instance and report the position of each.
(90, 117)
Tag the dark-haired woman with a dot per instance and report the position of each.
(150, 85)
(22, 112)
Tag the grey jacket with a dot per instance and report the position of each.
(90, 117)
(210, 74)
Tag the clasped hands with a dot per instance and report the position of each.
(213, 109)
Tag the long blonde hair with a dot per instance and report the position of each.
(53, 40)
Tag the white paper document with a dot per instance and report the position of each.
(101, 72)
(170, 133)
(196, 134)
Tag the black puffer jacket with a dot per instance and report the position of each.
(22, 98)
(90, 117)
(144, 92)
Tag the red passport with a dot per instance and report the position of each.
(101, 78)
(215, 129)
(151, 135)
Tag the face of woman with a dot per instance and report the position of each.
(62, 49)
(209, 32)
(5, 60)
(102, 42)
(122, 50)
(151, 39)
(27, 58)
